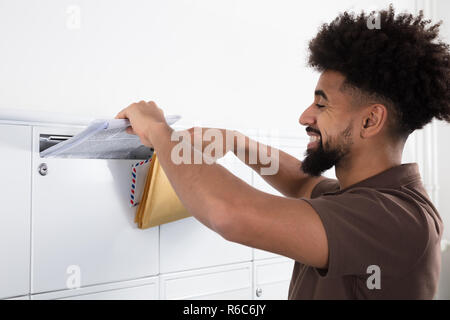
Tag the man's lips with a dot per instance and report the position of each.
(311, 130)
(314, 142)
(315, 138)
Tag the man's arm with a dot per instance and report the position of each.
(228, 205)
(290, 180)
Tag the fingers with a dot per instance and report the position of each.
(124, 113)
(133, 110)
(121, 114)
(130, 130)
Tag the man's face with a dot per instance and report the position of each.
(329, 121)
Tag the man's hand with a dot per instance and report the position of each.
(145, 118)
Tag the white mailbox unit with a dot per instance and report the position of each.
(15, 210)
(71, 225)
(81, 221)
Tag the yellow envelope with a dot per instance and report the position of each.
(159, 204)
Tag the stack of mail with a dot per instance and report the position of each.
(102, 139)
(159, 203)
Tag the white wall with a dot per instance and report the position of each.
(230, 63)
(443, 161)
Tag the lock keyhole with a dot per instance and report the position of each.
(43, 169)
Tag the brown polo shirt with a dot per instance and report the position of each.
(383, 237)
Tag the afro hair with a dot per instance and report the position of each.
(403, 61)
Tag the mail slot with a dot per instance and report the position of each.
(49, 140)
(95, 149)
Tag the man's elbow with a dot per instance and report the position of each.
(224, 222)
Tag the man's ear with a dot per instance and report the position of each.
(373, 121)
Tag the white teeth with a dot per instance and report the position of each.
(314, 138)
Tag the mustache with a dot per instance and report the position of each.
(310, 129)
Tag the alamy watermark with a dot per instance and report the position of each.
(73, 18)
(374, 21)
(74, 277)
(373, 282)
(211, 145)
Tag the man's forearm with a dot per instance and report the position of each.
(289, 180)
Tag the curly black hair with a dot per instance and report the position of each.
(403, 62)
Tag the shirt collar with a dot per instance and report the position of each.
(394, 177)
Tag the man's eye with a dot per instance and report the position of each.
(319, 105)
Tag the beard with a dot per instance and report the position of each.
(318, 160)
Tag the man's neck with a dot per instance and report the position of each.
(366, 165)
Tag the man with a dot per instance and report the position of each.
(372, 233)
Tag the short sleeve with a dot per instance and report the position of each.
(365, 227)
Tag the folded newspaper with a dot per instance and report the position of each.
(102, 139)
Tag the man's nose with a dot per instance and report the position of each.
(308, 117)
